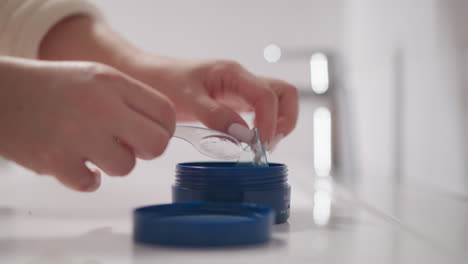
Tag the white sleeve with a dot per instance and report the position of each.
(24, 23)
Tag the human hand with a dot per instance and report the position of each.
(57, 115)
(214, 92)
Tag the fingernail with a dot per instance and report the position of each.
(271, 146)
(241, 132)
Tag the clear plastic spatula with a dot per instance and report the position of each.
(222, 146)
(212, 143)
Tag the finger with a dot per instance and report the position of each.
(146, 138)
(257, 92)
(152, 104)
(218, 116)
(110, 155)
(73, 173)
(288, 106)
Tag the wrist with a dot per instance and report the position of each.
(161, 73)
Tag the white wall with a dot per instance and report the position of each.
(404, 73)
(231, 29)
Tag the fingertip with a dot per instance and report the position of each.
(266, 131)
(271, 146)
(96, 181)
(96, 172)
(288, 106)
(90, 184)
(285, 125)
(266, 111)
(79, 177)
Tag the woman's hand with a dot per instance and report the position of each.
(54, 116)
(214, 92)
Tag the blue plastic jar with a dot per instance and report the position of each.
(222, 182)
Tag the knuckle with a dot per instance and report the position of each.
(92, 67)
(100, 78)
(80, 180)
(292, 91)
(227, 66)
(157, 148)
(269, 96)
(72, 173)
(219, 117)
(85, 186)
(217, 112)
(284, 88)
(101, 72)
(124, 167)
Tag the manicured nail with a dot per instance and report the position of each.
(241, 132)
(271, 146)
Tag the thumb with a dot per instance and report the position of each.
(218, 116)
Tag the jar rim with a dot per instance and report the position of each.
(216, 165)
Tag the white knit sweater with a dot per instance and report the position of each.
(24, 23)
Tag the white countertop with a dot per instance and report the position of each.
(370, 221)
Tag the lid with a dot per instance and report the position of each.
(201, 224)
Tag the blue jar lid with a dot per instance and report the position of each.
(199, 224)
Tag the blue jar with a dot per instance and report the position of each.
(222, 182)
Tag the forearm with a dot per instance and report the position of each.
(86, 39)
